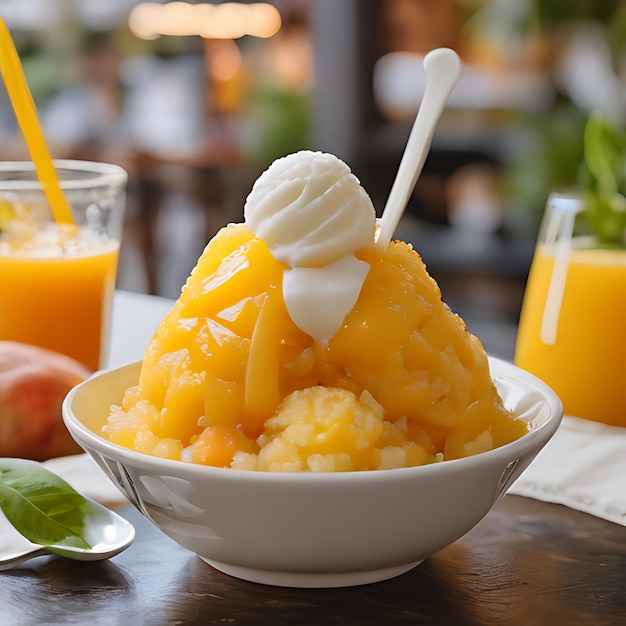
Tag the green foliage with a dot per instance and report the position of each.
(281, 124)
(553, 141)
(551, 13)
(603, 177)
(40, 505)
(550, 160)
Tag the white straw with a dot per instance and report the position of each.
(559, 231)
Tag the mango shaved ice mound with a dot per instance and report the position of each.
(230, 380)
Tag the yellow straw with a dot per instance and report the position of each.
(26, 114)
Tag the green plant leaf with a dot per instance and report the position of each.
(40, 505)
(604, 179)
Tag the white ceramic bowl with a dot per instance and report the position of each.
(314, 530)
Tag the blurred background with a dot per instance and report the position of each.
(196, 99)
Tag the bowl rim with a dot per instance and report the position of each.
(510, 451)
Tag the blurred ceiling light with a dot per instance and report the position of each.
(174, 18)
(142, 21)
(262, 19)
(225, 21)
(230, 20)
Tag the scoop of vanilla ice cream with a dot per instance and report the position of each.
(310, 210)
(313, 214)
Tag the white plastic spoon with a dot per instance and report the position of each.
(106, 532)
(443, 69)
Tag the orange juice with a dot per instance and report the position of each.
(586, 363)
(60, 300)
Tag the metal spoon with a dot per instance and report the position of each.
(106, 532)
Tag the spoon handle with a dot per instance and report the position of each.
(11, 560)
(443, 69)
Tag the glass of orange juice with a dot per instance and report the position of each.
(572, 330)
(57, 279)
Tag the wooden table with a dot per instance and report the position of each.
(527, 563)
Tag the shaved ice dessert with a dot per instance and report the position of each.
(298, 345)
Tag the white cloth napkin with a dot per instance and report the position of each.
(582, 467)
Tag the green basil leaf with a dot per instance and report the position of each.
(41, 506)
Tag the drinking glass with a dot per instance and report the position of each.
(57, 280)
(572, 330)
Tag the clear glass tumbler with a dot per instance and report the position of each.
(572, 330)
(57, 280)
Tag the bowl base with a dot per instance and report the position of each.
(311, 580)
